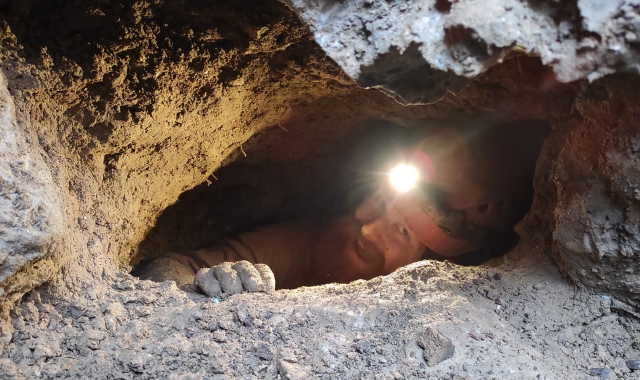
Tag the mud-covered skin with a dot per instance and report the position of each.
(227, 279)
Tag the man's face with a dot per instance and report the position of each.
(370, 242)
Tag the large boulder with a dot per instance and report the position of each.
(418, 50)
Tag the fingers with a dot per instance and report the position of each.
(228, 278)
(208, 283)
(249, 276)
(268, 279)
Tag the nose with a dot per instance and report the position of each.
(368, 232)
(374, 233)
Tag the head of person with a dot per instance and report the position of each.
(479, 183)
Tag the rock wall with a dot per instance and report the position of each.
(419, 50)
(597, 176)
(31, 216)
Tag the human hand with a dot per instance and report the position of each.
(229, 278)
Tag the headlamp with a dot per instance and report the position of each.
(404, 177)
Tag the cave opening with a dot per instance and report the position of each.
(492, 186)
(134, 128)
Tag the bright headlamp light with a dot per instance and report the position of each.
(404, 177)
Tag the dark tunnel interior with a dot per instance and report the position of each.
(242, 196)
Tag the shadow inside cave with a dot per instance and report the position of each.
(241, 196)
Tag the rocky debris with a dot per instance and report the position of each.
(361, 330)
(293, 371)
(9, 370)
(437, 347)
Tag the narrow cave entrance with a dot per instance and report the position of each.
(497, 157)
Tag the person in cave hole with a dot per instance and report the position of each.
(466, 190)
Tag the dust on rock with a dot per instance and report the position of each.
(363, 330)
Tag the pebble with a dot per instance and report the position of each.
(219, 336)
(630, 36)
(5, 337)
(126, 285)
(633, 364)
(604, 373)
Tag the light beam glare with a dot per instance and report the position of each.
(404, 177)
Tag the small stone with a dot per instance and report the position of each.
(630, 36)
(5, 337)
(9, 370)
(293, 371)
(633, 365)
(264, 352)
(245, 314)
(363, 347)
(219, 336)
(437, 347)
(604, 373)
(76, 311)
(136, 364)
(538, 286)
(126, 285)
(42, 352)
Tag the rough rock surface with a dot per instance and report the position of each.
(437, 347)
(419, 50)
(597, 227)
(521, 320)
(31, 218)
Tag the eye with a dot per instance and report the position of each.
(402, 229)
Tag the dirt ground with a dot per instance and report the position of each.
(515, 319)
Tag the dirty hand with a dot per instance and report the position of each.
(228, 278)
